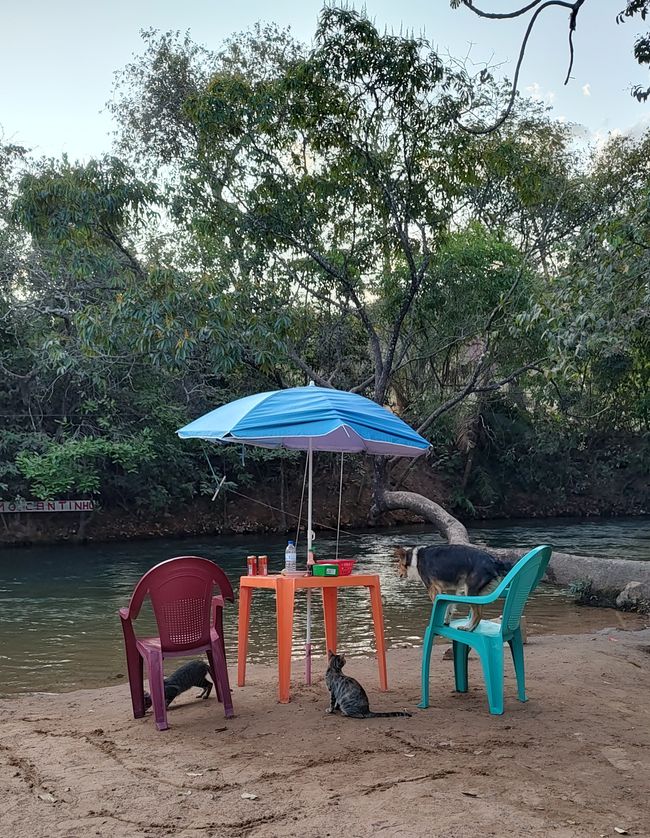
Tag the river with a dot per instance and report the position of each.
(59, 628)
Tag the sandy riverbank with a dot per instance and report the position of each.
(573, 761)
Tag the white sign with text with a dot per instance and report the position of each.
(46, 506)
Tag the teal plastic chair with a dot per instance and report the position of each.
(488, 637)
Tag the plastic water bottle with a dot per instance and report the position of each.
(290, 558)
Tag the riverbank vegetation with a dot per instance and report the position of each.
(274, 213)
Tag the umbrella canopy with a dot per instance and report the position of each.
(309, 418)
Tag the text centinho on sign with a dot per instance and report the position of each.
(46, 506)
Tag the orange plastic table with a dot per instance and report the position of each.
(285, 588)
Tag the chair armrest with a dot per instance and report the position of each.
(443, 600)
(498, 593)
(470, 600)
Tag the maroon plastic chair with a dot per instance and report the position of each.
(189, 620)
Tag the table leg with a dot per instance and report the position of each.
(380, 642)
(245, 596)
(284, 604)
(330, 601)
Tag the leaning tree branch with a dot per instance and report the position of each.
(501, 15)
(307, 369)
(469, 387)
(573, 19)
(359, 388)
(496, 385)
(573, 8)
(446, 524)
(132, 262)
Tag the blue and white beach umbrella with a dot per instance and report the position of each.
(304, 418)
(309, 419)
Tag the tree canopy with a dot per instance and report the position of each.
(274, 213)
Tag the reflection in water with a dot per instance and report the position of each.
(59, 628)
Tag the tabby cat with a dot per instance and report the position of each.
(191, 674)
(347, 694)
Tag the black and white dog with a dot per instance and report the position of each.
(453, 569)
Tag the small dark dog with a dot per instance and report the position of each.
(191, 674)
(453, 569)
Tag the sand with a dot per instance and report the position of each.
(572, 761)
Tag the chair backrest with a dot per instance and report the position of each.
(521, 582)
(181, 592)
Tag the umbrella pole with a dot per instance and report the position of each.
(308, 641)
(310, 463)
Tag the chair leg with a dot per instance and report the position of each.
(136, 685)
(157, 689)
(517, 649)
(461, 653)
(218, 623)
(213, 675)
(429, 637)
(134, 670)
(220, 675)
(492, 662)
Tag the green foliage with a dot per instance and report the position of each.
(580, 591)
(11, 443)
(596, 320)
(82, 466)
(321, 175)
(80, 214)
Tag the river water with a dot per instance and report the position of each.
(59, 628)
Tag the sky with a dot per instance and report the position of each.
(58, 59)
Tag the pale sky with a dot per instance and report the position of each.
(57, 59)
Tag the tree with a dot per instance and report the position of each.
(598, 322)
(75, 230)
(15, 372)
(319, 187)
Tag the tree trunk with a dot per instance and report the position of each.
(448, 526)
(384, 500)
(618, 583)
(467, 471)
(80, 535)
